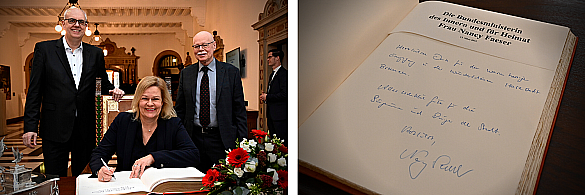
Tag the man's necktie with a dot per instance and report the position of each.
(204, 98)
(270, 80)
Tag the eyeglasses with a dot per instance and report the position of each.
(205, 45)
(72, 21)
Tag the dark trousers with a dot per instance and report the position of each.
(211, 148)
(278, 127)
(56, 154)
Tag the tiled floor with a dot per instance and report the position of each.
(32, 158)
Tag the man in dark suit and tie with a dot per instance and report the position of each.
(62, 96)
(277, 96)
(210, 103)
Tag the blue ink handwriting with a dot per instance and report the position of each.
(442, 162)
(413, 50)
(483, 127)
(525, 89)
(388, 88)
(455, 72)
(383, 66)
(441, 117)
(408, 130)
(438, 56)
(402, 60)
(449, 168)
(465, 124)
(416, 112)
(381, 103)
(520, 78)
(435, 100)
(416, 167)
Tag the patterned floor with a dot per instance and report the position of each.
(32, 158)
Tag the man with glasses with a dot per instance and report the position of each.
(276, 97)
(210, 103)
(61, 95)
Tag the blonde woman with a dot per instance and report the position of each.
(150, 135)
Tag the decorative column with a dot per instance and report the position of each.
(98, 111)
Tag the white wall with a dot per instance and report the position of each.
(10, 55)
(233, 20)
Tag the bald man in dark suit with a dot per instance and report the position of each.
(210, 103)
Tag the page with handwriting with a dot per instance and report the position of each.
(120, 185)
(423, 116)
(335, 37)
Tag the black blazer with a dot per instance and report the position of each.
(231, 111)
(174, 147)
(53, 87)
(277, 96)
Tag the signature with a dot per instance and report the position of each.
(442, 162)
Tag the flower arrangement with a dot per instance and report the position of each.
(256, 166)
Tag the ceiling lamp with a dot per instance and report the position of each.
(96, 33)
(61, 17)
(87, 31)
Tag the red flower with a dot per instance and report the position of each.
(259, 134)
(283, 149)
(266, 181)
(282, 178)
(238, 157)
(262, 158)
(210, 177)
(221, 177)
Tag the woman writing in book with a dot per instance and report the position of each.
(149, 135)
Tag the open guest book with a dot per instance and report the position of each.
(401, 97)
(153, 180)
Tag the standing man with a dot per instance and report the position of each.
(210, 103)
(277, 96)
(61, 95)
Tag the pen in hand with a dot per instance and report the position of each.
(107, 167)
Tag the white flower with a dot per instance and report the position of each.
(246, 148)
(252, 143)
(250, 166)
(269, 147)
(245, 145)
(243, 142)
(282, 161)
(274, 176)
(239, 172)
(272, 157)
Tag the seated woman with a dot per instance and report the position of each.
(149, 135)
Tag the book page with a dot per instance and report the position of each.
(335, 37)
(509, 37)
(149, 180)
(421, 116)
(121, 185)
(153, 177)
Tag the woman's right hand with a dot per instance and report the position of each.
(105, 175)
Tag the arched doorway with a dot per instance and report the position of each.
(272, 27)
(27, 70)
(168, 64)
